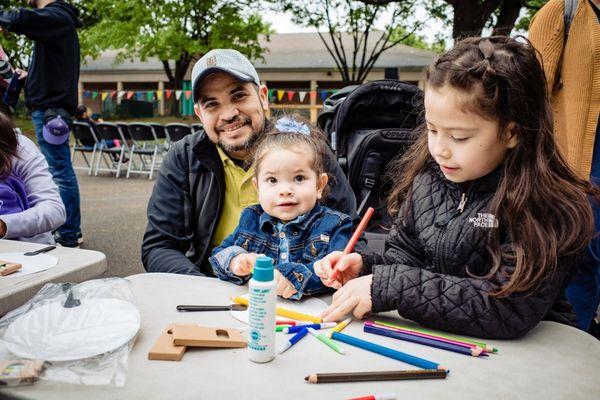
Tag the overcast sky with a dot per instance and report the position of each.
(282, 23)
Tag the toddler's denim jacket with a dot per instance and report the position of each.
(293, 246)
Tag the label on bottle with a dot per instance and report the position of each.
(261, 318)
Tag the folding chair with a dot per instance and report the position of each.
(161, 135)
(109, 131)
(85, 142)
(126, 134)
(197, 127)
(177, 131)
(159, 130)
(145, 144)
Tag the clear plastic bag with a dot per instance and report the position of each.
(85, 331)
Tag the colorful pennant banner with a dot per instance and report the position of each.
(274, 95)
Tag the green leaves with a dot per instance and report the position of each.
(171, 29)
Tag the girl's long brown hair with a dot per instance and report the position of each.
(542, 205)
(8, 145)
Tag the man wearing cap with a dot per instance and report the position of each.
(205, 182)
(51, 93)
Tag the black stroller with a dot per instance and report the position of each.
(368, 126)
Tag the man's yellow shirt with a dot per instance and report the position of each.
(239, 194)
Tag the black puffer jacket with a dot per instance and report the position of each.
(423, 271)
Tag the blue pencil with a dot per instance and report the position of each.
(293, 340)
(422, 340)
(386, 351)
(294, 329)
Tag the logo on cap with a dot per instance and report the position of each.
(211, 61)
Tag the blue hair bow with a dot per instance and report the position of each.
(287, 124)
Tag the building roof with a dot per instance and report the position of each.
(303, 51)
(307, 51)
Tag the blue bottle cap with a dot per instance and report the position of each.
(263, 269)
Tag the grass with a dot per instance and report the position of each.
(26, 125)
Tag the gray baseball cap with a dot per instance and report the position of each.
(222, 60)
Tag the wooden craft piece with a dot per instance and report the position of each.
(7, 267)
(206, 336)
(164, 349)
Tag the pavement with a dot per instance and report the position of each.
(113, 218)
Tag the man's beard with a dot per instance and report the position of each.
(32, 3)
(246, 145)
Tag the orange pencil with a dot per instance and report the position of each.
(359, 230)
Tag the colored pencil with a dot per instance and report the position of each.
(379, 396)
(484, 346)
(339, 327)
(421, 340)
(438, 338)
(294, 329)
(293, 340)
(359, 230)
(336, 347)
(286, 322)
(385, 351)
(283, 312)
(376, 376)
(280, 328)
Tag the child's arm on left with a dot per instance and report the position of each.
(231, 262)
(302, 276)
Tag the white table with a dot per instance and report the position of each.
(553, 361)
(74, 265)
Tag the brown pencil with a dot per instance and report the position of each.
(377, 376)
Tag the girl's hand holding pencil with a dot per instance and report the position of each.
(338, 268)
(348, 267)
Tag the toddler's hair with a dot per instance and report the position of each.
(541, 205)
(292, 132)
(8, 145)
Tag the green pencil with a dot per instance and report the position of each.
(280, 328)
(484, 346)
(327, 341)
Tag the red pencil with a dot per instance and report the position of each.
(292, 323)
(359, 230)
(381, 396)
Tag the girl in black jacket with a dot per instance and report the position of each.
(491, 222)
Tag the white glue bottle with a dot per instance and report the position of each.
(261, 311)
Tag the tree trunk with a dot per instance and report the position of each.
(509, 12)
(176, 79)
(470, 16)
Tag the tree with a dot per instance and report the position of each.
(470, 17)
(173, 30)
(351, 36)
(18, 48)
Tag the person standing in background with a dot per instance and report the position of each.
(51, 94)
(566, 33)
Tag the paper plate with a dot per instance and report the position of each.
(54, 333)
(311, 306)
(29, 264)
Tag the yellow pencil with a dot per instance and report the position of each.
(283, 312)
(339, 327)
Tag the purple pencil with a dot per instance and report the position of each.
(425, 335)
(425, 341)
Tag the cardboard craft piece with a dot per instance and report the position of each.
(205, 336)
(7, 267)
(164, 349)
